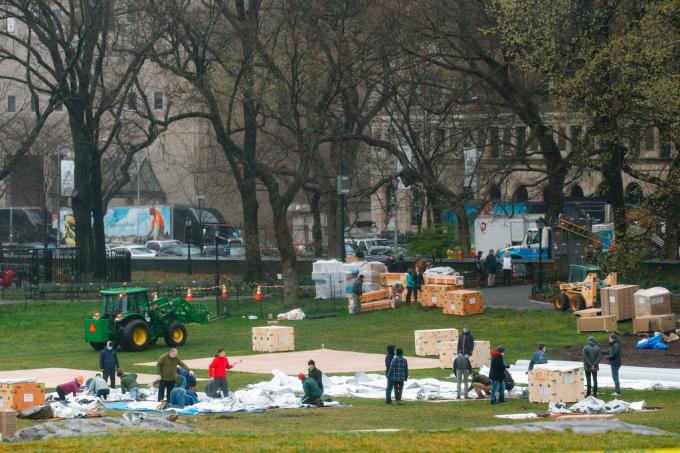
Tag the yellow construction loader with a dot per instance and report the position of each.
(582, 289)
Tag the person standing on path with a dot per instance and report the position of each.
(491, 267)
(398, 374)
(411, 287)
(479, 268)
(167, 369)
(614, 357)
(390, 385)
(357, 291)
(461, 369)
(108, 363)
(217, 371)
(507, 269)
(591, 357)
(466, 343)
(539, 357)
(497, 375)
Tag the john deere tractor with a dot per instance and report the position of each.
(129, 319)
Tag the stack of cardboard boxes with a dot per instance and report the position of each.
(652, 308)
(435, 295)
(548, 384)
(428, 341)
(375, 300)
(463, 302)
(8, 423)
(617, 305)
(273, 339)
(481, 355)
(21, 395)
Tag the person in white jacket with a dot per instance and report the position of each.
(507, 269)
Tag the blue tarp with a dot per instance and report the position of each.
(656, 342)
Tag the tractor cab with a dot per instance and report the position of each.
(582, 289)
(579, 272)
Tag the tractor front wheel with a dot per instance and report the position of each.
(577, 303)
(135, 335)
(175, 334)
(561, 302)
(98, 345)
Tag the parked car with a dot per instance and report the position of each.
(136, 251)
(225, 250)
(156, 246)
(179, 250)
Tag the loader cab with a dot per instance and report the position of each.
(579, 272)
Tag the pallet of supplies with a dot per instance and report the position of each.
(654, 323)
(463, 302)
(452, 280)
(618, 300)
(652, 301)
(8, 423)
(391, 277)
(383, 304)
(596, 324)
(481, 354)
(427, 341)
(550, 384)
(375, 295)
(21, 395)
(588, 312)
(273, 339)
(434, 295)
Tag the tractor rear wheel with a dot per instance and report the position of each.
(577, 303)
(175, 334)
(135, 335)
(98, 345)
(561, 302)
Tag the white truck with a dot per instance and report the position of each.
(518, 235)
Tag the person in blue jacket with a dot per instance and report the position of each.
(388, 361)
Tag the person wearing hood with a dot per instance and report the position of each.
(98, 387)
(388, 361)
(108, 363)
(539, 357)
(217, 371)
(591, 364)
(466, 343)
(497, 375)
(614, 358)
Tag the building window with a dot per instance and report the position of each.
(521, 140)
(665, 150)
(494, 139)
(158, 100)
(649, 139)
(439, 137)
(11, 104)
(507, 140)
(562, 139)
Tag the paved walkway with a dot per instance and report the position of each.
(295, 362)
(516, 297)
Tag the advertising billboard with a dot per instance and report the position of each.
(137, 223)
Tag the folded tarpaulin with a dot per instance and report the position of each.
(655, 342)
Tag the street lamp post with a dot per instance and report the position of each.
(540, 223)
(217, 267)
(187, 237)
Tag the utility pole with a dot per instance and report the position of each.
(343, 189)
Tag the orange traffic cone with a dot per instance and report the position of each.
(258, 294)
(225, 293)
(460, 254)
(189, 296)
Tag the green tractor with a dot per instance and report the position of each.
(131, 320)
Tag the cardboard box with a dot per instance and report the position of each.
(427, 341)
(391, 277)
(652, 301)
(654, 323)
(273, 339)
(453, 280)
(433, 295)
(550, 385)
(481, 355)
(21, 395)
(384, 304)
(463, 302)
(375, 295)
(588, 312)
(618, 300)
(596, 324)
(8, 423)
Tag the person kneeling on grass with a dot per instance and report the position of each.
(98, 387)
(70, 387)
(312, 392)
(481, 384)
(128, 383)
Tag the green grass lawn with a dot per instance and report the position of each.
(49, 334)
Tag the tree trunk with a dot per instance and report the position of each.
(556, 168)
(463, 227)
(284, 242)
(317, 236)
(251, 228)
(332, 224)
(98, 212)
(613, 178)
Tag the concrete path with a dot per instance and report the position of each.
(516, 297)
(52, 377)
(328, 360)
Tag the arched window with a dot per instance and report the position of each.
(521, 194)
(634, 194)
(576, 193)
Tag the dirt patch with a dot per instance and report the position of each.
(630, 356)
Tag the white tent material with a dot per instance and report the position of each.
(630, 377)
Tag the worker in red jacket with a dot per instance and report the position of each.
(218, 374)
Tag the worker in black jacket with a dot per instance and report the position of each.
(315, 373)
(497, 375)
(108, 363)
(614, 357)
